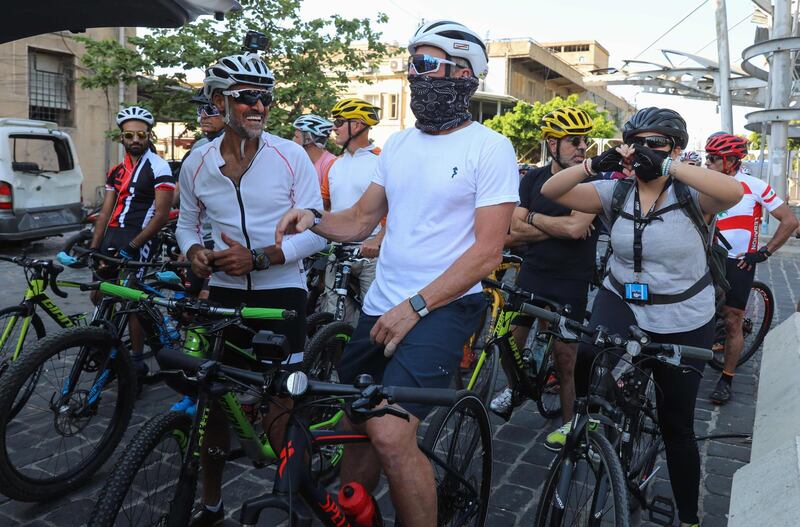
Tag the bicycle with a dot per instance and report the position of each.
(758, 316)
(602, 468)
(532, 377)
(80, 387)
(331, 331)
(171, 442)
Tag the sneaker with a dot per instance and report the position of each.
(556, 439)
(504, 404)
(207, 518)
(722, 393)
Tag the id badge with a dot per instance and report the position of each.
(636, 292)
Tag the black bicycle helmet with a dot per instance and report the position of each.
(661, 120)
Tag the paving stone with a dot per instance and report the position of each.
(527, 475)
(500, 517)
(728, 451)
(719, 485)
(539, 455)
(722, 467)
(506, 452)
(716, 505)
(516, 434)
(512, 497)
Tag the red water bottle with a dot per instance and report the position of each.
(359, 506)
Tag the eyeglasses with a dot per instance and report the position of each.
(576, 140)
(207, 110)
(652, 141)
(338, 123)
(128, 136)
(421, 64)
(250, 97)
(712, 159)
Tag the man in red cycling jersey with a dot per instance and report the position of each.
(138, 196)
(740, 226)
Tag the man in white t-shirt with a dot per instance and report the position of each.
(344, 184)
(449, 186)
(740, 226)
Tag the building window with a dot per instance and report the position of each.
(390, 106)
(374, 100)
(51, 87)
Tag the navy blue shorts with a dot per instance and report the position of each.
(427, 357)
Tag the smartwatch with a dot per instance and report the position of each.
(419, 305)
(260, 260)
(317, 216)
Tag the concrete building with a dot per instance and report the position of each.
(519, 70)
(583, 55)
(40, 74)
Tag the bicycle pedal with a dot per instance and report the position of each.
(662, 511)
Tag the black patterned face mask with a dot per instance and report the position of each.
(441, 103)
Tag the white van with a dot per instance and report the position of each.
(40, 180)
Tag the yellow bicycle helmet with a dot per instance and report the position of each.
(359, 109)
(566, 121)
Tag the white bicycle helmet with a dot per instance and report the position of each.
(135, 113)
(690, 156)
(238, 69)
(454, 39)
(314, 125)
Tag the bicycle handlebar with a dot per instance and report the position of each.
(131, 264)
(173, 359)
(521, 293)
(49, 267)
(640, 341)
(200, 308)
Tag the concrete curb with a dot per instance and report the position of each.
(766, 491)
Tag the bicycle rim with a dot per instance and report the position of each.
(460, 437)
(757, 319)
(584, 487)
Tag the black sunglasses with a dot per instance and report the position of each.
(712, 159)
(250, 97)
(576, 140)
(652, 141)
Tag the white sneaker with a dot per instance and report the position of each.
(503, 404)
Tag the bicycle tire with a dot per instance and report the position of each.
(548, 398)
(646, 445)
(487, 376)
(134, 461)
(750, 347)
(598, 452)
(315, 321)
(452, 505)
(19, 478)
(6, 352)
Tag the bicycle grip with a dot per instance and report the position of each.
(55, 270)
(692, 352)
(431, 396)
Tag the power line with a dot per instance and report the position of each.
(747, 16)
(704, 2)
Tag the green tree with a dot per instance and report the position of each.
(310, 58)
(755, 141)
(523, 124)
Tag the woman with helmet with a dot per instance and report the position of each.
(740, 226)
(659, 277)
(311, 132)
(691, 157)
(560, 245)
(242, 183)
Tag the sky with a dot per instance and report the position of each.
(624, 28)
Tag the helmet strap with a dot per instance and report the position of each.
(227, 117)
(350, 135)
(557, 156)
(732, 167)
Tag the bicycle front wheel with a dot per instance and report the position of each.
(549, 392)
(585, 485)
(141, 488)
(758, 316)
(459, 442)
(74, 418)
(484, 373)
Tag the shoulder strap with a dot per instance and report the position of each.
(692, 210)
(622, 187)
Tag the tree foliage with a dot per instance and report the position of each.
(309, 58)
(523, 124)
(755, 141)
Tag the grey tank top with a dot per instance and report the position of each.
(673, 259)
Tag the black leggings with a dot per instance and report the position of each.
(675, 399)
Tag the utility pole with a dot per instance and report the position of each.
(724, 59)
(781, 82)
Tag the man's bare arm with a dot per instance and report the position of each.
(577, 226)
(521, 231)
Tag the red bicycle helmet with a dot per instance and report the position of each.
(725, 146)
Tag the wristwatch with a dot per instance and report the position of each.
(260, 260)
(317, 216)
(419, 305)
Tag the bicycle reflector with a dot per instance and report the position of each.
(270, 348)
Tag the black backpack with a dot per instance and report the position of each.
(716, 255)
